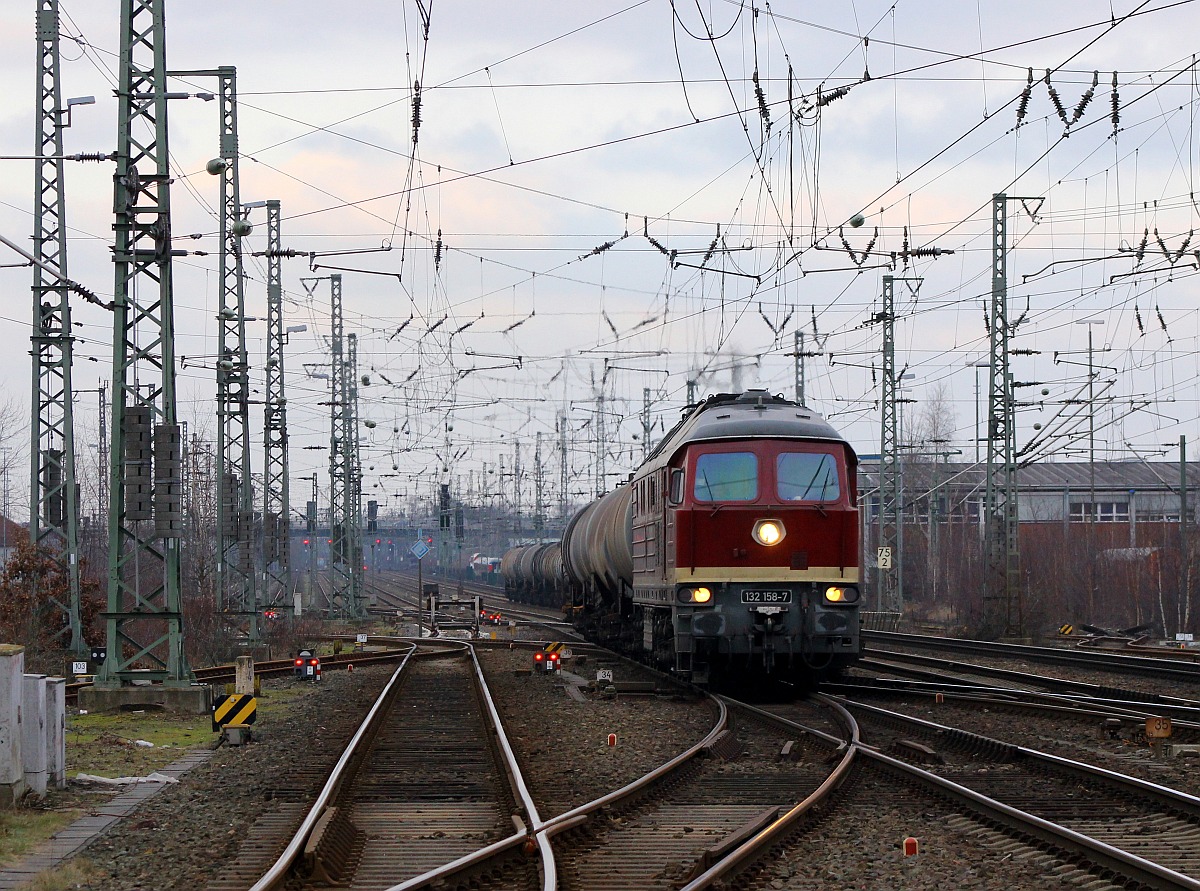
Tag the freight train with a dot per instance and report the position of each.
(731, 553)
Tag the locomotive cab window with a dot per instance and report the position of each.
(726, 476)
(676, 485)
(807, 476)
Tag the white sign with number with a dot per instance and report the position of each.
(79, 668)
(883, 557)
(360, 638)
(1183, 636)
(604, 675)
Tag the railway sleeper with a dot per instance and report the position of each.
(734, 840)
(334, 848)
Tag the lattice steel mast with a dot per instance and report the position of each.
(144, 618)
(887, 589)
(341, 464)
(54, 500)
(352, 607)
(1002, 596)
(276, 497)
(235, 510)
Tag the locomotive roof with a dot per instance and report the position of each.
(755, 413)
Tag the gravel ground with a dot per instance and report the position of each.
(1134, 682)
(187, 834)
(563, 744)
(1077, 738)
(859, 845)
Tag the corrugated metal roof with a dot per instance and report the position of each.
(1111, 476)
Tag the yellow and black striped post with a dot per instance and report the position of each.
(233, 708)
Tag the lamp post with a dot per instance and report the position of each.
(1091, 466)
(977, 366)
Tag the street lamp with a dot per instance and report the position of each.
(1091, 420)
(977, 366)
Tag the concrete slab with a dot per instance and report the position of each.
(193, 700)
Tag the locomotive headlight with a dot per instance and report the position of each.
(695, 595)
(769, 532)
(836, 594)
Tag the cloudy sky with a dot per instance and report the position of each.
(633, 195)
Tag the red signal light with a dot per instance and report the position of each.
(538, 657)
(379, 541)
(314, 661)
(306, 541)
(554, 657)
(329, 541)
(299, 662)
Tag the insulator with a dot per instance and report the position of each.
(1162, 245)
(416, 109)
(712, 247)
(1116, 105)
(1023, 105)
(658, 245)
(437, 251)
(1183, 247)
(1141, 251)
(831, 96)
(93, 156)
(1058, 106)
(928, 252)
(762, 101)
(1086, 98)
(1137, 315)
(288, 253)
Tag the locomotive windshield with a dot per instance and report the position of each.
(807, 476)
(726, 476)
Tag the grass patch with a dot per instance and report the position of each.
(69, 876)
(106, 744)
(23, 828)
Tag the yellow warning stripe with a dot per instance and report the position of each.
(554, 647)
(236, 709)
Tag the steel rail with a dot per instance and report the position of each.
(513, 768)
(1165, 794)
(1119, 862)
(1007, 674)
(274, 877)
(517, 782)
(774, 832)
(1174, 667)
(543, 830)
(570, 818)
(1029, 700)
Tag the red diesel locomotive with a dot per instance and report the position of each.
(732, 552)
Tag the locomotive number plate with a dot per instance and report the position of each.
(766, 597)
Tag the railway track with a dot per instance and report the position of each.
(1173, 664)
(1142, 831)
(428, 778)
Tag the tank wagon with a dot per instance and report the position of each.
(534, 574)
(731, 552)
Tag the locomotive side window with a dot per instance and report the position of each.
(807, 476)
(726, 476)
(676, 485)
